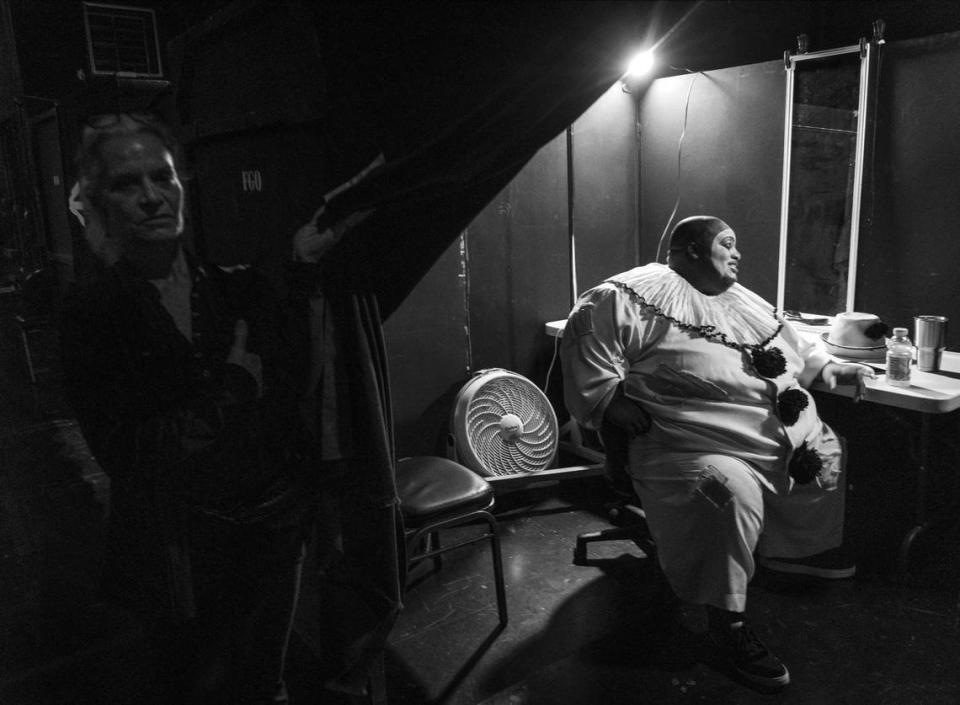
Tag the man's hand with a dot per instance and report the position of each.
(309, 244)
(247, 360)
(835, 373)
(627, 415)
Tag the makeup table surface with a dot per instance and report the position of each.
(928, 392)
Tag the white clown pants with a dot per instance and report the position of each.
(706, 547)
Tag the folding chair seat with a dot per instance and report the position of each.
(438, 494)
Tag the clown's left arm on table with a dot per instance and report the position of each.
(818, 365)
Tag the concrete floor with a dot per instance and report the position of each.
(579, 635)
(602, 634)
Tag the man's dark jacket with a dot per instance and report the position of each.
(175, 427)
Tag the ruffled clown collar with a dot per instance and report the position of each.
(737, 317)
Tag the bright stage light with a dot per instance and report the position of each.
(640, 64)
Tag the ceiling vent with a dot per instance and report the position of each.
(122, 41)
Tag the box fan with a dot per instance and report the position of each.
(503, 427)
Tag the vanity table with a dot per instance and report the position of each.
(929, 394)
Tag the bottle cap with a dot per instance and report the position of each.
(899, 332)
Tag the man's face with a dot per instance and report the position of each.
(141, 197)
(723, 262)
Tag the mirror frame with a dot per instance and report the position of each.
(864, 49)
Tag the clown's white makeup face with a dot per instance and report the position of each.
(724, 259)
(711, 263)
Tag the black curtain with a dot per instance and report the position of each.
(465, 95)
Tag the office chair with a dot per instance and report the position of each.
(630, 524)
(436, 494)
(624, 511)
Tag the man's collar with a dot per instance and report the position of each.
(124, 266)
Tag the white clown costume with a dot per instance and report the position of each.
(724, 380)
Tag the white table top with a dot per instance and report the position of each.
(928, 392)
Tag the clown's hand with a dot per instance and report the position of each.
(627, 415)
(835, 373)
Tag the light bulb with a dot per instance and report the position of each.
(640, 64)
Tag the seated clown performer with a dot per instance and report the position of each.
(702, 385)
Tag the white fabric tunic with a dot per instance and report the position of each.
(687, 359)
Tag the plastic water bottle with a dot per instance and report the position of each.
(899, 357)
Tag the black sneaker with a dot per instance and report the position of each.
(835, 564)
(741, 652)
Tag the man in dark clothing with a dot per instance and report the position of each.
(176, 372)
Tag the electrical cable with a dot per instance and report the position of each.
(556, 348)
(683, 132)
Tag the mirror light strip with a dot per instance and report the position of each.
(858, 176)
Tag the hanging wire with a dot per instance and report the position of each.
(683, 132)
(556, 346)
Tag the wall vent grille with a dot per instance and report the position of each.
(122, 41)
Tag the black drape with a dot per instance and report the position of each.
(470, 139)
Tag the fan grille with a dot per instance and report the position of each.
(490, 426)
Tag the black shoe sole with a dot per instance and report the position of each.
(771, 685)
(750, 680)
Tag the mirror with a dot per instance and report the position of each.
(824, 128)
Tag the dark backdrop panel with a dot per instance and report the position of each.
(253, 190)
(605, 188)
(520, 266)
(909, 249)
(427, 351)
(731, 160)
(248, 104)
(484, 304)
(51, 47)
(253, 64)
